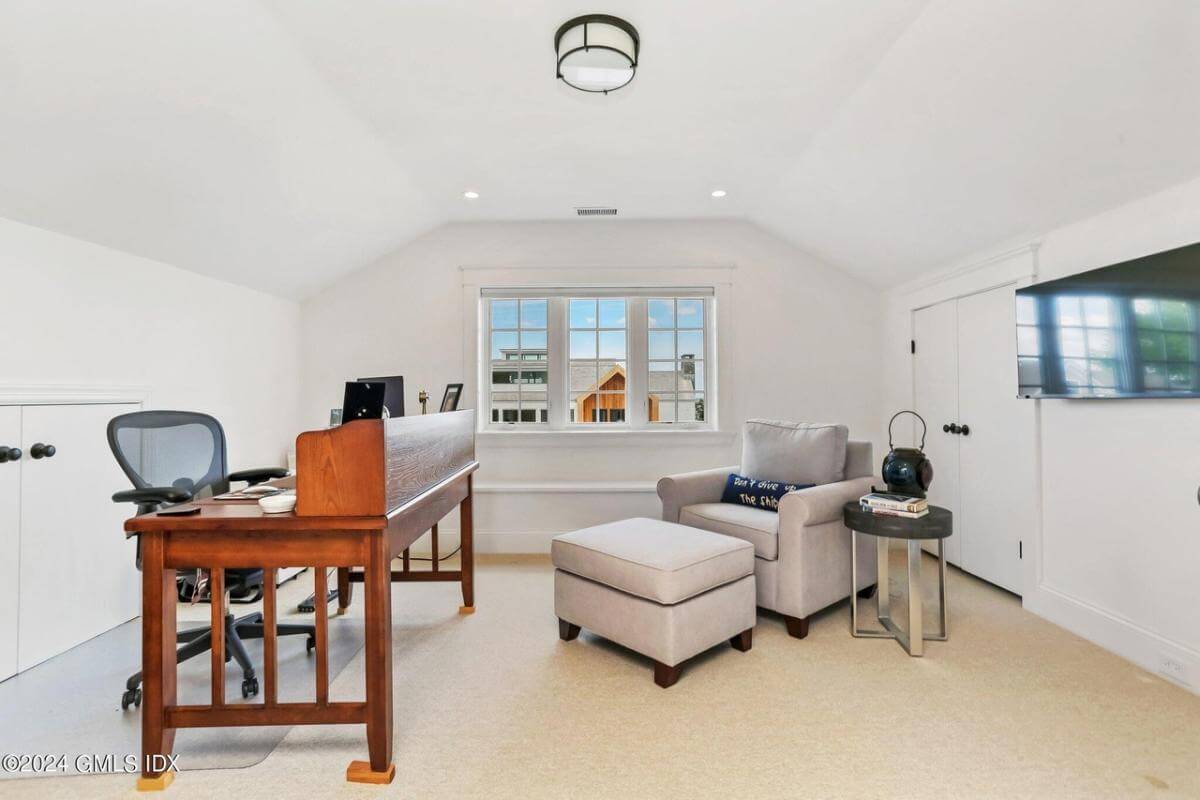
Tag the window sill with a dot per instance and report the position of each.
(585, 438)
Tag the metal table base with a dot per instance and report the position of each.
(913, 641)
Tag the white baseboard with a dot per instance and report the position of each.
(514, 542)
(507, 542)
(1143, 647)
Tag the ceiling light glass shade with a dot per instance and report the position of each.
(596, 53)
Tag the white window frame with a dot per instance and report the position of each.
(558, 361)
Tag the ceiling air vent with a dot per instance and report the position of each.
(595, 211)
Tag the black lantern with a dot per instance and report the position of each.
(906, 470)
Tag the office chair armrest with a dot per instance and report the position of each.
(253, 476)
(153, 494)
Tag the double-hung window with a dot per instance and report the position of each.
(579, 359)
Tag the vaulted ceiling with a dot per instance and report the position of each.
(282, 143)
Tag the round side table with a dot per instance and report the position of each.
(935, 525)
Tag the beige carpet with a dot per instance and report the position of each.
(495, 706)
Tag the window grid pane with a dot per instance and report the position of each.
(675, 350)
(597, 358)
(519, 368)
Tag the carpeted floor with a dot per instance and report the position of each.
(495, 706)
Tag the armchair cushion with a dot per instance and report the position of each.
(794, 452)
(754, 525)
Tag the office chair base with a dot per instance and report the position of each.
(156, 784)
(131, 697)
(199, 640)
(361, 772)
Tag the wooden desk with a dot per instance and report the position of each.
(365, 492)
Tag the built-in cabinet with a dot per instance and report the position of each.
(981, 435)
(67, 573)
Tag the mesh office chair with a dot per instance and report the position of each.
(173, 457)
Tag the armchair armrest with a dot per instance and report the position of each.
(689, 488)
(152, 495)
(258, 475)
(821, 504)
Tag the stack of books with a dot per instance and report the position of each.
(894, 505)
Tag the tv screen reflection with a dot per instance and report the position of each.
(1129, 330)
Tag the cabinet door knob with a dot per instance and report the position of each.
(966, 430)
(40, 450)
(946, 428)
(9, 454)
(951, 428)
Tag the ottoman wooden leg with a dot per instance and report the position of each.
(743, 640)
(666, 676)
(567, 631)
(797, 627)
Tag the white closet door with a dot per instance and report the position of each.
(10, 540)
(77, 571)
(935, 397)
(997, 457)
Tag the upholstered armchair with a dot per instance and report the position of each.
(802, 553)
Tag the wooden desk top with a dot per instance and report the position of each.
(246, 515)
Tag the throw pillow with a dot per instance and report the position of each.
(764, 494)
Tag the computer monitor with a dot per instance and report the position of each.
(393, 393)
(363, 400)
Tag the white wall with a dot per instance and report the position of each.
(803, 340)
(1120, 527)
(81, 314)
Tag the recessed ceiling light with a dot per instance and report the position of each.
(470, 195)
(718, 193)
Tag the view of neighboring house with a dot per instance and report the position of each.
(519, 390)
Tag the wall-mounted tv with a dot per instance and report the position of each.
(1128, 330)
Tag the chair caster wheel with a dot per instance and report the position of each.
(131, 697)
(249, 687)
(310, 644)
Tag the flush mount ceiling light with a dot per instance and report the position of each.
(718, 193)
(596, 53)
(471, 195)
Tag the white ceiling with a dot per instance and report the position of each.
(281, 143)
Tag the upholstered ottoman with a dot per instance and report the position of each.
(664, 590)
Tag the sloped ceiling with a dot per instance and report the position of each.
(282, 143)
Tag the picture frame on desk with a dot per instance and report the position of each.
(451, 397)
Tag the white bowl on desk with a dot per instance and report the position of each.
(278, 503)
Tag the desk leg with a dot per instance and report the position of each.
(158, 665)
(467, 532)
(377, 597)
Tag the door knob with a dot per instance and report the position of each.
(966, 430)
(9, 454)
(40, 450)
